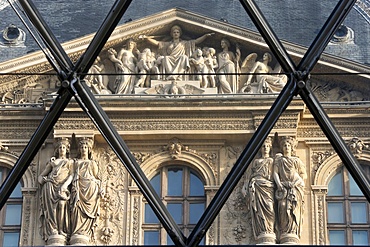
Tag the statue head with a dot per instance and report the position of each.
(291, 141)
(85, 141)
(130, 44)
(176, 28)
(63, 141)
(268, 56)
(226, 42)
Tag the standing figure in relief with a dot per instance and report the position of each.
(197, 62)
(227, 68)
(145, 66)
(259, 189)
(267, 78)
(175, 54)
(85, 194)
(125, 66)
(94, 79)
(211, 63)
(289, 175)
(55, 194)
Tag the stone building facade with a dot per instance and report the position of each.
(179, 129)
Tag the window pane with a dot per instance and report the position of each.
(358, 211)
(335, 212)
(156, 183)
(13, 214)
(174, 182)
(354, 190)
(196, 186)
(196, 211)
(335, 187)
(360, 238)
(11, 239)
(169, 240)
(17, 192)
(337, 237)
(175, 210)
(151, 237)
(150, 217)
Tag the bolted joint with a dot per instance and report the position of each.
(301, 84)
(65, 83)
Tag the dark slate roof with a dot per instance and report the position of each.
(294, 21)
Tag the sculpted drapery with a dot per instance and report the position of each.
(289, 174)
(259, 189)
(85, 194)
(55, 194)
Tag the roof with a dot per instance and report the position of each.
(294, 21)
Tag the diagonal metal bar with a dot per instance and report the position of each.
(34, 145)
(262, 132)
(89, 103)
(336, 141)
(308, 62)
(102, 35)
(321, 41)
(241, 165)
(269, 36)
(47, 35)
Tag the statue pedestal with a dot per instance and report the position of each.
(79, 240)
(57, 240)
(268, 238)
(289, 238)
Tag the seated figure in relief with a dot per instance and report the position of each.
(94, 78)
(268, 79)
(55, 180)
(174, 55)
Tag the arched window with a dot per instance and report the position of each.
(348, 210)
(182, 191)
(10, 215)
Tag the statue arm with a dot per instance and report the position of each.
(150, 39)
(41, 179)
(203, 37)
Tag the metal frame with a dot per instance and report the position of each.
(71, 76)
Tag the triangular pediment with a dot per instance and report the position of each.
(193, 26)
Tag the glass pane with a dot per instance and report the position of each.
(358, 212)
(196, 186)
(13, 214)
(360, 238)
(156, 183)
(151, 237)
(169, 240)
(196, 211)
(150, 217)
(335, 187)
(174, 182)
(17, 192)
(335, 212)
(337, 237)
(354, 190)
(175, 210)
(11, 239)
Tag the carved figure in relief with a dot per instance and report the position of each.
(267, 78)
(199, 67)
(227, 68)
(289, 176)
(55, 180)
(259, 188)
(175, 54)
(146, 65)
(94, 79)
(125, 66)
(211, 63)
(85, 194)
